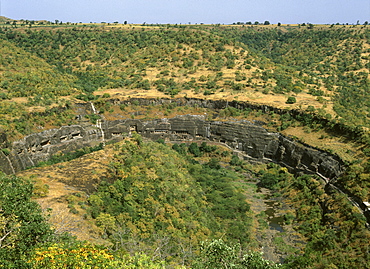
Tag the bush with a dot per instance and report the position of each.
(206, 148)
(214, 163)
(235, 160)
(366, 151)
(93, 118)
(218, 254)
(161, 141)
(180, 148)
(75, 256)
(291, 100)
(194, 149)
(22, 224)
(6, 151)
(3, 96)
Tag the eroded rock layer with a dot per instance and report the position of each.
(38, 147)
(251, 140)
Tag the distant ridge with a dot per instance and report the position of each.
(2, 18)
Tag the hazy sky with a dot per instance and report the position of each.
(185, 11)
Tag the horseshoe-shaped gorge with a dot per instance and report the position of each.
(249, 140)
(158, 145)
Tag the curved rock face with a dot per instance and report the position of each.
(41, 146)
(251, 140)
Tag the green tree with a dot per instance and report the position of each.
(291, 100)
(106, 222)
(22, 222)
(216, 254)
(194, 149)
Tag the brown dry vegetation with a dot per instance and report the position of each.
(68, 186)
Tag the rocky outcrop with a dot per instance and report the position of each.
(39, 147)
(336, 126)
(255, 142)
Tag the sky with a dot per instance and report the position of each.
(189, 11)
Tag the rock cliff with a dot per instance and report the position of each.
(38, 147)
(253, 141)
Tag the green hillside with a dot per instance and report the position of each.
(332, 62)
(153, 199)
(323, 71)
(23, 74)
(174, 203)
(31, 91)
(165, 59)
(154, 194)
(185, 206)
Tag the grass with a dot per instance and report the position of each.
(68, 186)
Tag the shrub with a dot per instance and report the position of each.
(6, 151)
(291, 100)
(22, 224)
(194, 149)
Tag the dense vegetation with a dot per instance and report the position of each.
(326, 218)
(166, 207)
(332, 63)
(154, 200)
(117, 58)
(28, 241)
(21, 221)
(51, 64)
(167, 202)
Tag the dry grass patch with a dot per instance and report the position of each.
(346, 149)
(69, 185)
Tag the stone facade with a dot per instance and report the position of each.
(253, 142)
(38, 147)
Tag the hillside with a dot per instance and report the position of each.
(23, 74)
(330, 63)
(314, 69)
(4, 19)
(146, 197)
(160, 199)
(173, 202)
(30, 92)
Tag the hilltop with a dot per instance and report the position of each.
(4, 19)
